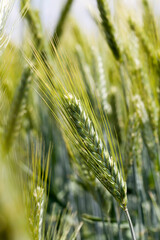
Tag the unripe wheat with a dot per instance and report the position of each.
(94, 152)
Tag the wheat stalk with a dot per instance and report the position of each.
(96, 156)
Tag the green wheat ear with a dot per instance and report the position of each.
(60, 25)
(144, 40)
(18, 108)
(94, 152)
(108, 28)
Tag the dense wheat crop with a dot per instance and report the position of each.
(80, 125)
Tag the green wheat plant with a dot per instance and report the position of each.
(80, 124)
(79, 129)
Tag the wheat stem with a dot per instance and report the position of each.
(130, 223)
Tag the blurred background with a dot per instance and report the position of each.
(50, 10)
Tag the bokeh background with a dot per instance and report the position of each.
(50, 10)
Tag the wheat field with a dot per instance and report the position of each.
(80, 125)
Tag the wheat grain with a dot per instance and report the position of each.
(94, 152)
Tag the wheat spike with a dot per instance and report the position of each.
(86, 73)
(18, 108)
(94, 153)
(150, 103)
(149, 23)
(145, 42)
(59, 28)
(147, 133)
(133, 146)
(109, 28)
(36, 28)
(87, 179)
(39, 201)
(101, 81)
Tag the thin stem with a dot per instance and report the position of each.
(130, 223)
